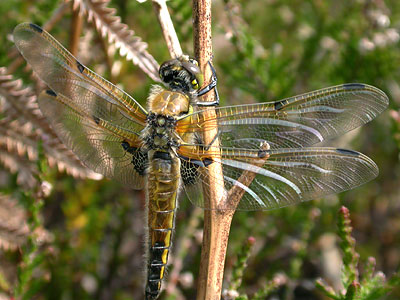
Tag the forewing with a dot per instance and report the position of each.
(281, 177)
(106, 148)
(294, 122)
(88, 92)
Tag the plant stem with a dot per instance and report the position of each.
(221, 205)
(76, 30)
(216, 223)
(167, 27)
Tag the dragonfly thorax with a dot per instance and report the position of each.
(159, 132)
(165, 107)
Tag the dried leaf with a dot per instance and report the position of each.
(23, 127)
(108, 24)
(13, 226)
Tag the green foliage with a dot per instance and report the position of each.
(182, 20)
(241, 263)
(33, 257)
(371, 285)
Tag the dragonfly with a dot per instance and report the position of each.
(161, 148)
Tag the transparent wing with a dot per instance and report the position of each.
(275, 178)
(294, 122)
(94, 118)
(104, 147)
(88, 92)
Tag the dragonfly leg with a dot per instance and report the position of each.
(209, 87)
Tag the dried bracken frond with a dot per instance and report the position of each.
(26, 169)
(13, 226)
(108, 24)
(23, 127)
(21, 102)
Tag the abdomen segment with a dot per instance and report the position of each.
(162, 189)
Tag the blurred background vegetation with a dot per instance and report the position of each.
(67, 237)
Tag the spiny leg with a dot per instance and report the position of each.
(209, 87)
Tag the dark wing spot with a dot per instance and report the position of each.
(190, 169)
(96, 120)
(126, 146)
(262, 153)
(207, 162)
(140, 159)
(36, 27)
(81, 68)
(351, 86)
(201, 163)
(347, 152)
(189, 172)
(278, 105)
(51, 93)
(140, 162)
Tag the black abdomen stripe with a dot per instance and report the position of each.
(162, 190)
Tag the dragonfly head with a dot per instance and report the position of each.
(181, 74)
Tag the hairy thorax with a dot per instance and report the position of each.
(164, 108)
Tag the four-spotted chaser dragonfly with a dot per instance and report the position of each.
(161, 148)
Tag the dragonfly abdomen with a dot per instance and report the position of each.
(162, 190)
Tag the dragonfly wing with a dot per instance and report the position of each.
(284, 176)
(106, 148)
(294, 122)
(89, 93)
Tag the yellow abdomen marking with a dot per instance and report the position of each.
(162, 189)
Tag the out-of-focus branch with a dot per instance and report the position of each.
(167, 27)
(76, 29)
(183, 245)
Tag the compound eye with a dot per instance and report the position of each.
(167, 68)
(195, 72)
(191, 68)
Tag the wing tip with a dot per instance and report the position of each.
(51, 93)
(348, 152)
(351, 86)
(35, 27)
(356, 86)
(80, 67)
(372, 165)
(278, 105)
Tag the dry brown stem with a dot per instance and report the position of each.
(216, 222)
(182, 245)
(76, 30)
